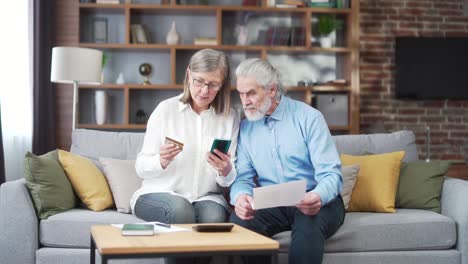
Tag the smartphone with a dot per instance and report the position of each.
(221, 145)
(221, 227)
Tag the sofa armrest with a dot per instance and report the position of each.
(18, 224)
(454, 199)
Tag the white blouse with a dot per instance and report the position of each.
(189, 175)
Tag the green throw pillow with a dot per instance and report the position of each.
(50, 189)
(420, 184)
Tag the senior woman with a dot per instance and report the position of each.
(183, 184)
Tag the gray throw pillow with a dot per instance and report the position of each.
(349, 174)
(50, 189)
(123, 181)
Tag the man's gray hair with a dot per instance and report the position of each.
(263, 72)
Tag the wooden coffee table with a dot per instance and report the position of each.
(240, 241)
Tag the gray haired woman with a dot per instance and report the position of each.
(182, 180)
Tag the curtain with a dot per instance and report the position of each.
(43, 139)
(15, 92)
(2, 159)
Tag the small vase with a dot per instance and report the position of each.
(326, 41)
(120, 79)
(172, 36)
(100, 102)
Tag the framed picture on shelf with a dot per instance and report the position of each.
(100, 30)
(139, 34)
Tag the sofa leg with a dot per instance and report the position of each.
(92, 252)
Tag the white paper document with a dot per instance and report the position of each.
(159, 229)
(284, 194)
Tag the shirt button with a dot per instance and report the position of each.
(273, 150)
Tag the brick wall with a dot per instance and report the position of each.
(381, 21)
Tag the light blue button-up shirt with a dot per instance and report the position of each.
(293, 143)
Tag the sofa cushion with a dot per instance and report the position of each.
(50, 189)
(87, 180)
(420, 184)
(126, 145)
(379, 143)
(71, 228)
(349, 174)
(377, 181)
(117, 145)
(123, 181)
(407, 229)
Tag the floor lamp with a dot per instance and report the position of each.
(76, 65)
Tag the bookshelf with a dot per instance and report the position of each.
(285, 36)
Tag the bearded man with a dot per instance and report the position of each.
(283, 140)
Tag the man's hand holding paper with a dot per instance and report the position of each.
(243, 207)
(284, 194)
(311, 204)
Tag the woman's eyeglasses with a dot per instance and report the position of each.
(213, 86)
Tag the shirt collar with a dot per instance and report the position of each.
(279, 111)
(183, 106)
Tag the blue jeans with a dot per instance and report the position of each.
(308, 232)
(172, 209)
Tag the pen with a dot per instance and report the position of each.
(163, 224)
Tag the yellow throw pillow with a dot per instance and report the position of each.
(87, 180)
(377, 181)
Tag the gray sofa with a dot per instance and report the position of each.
(407, 236)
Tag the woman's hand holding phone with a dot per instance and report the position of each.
(220, 162)
(219, 157)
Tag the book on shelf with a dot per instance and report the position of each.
(337, 81)
(138, 230)
(107, 1)
(321, 3)
(291, 4)
(204, 41)
(285, 6)
(277, 36)
(251, 2)
(342, 3)
(139, 34)
(297, 36)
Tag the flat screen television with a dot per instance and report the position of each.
(431, 68)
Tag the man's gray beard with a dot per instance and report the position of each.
(260, 113)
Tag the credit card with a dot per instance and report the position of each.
(169, 140)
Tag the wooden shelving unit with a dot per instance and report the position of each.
(216, 21)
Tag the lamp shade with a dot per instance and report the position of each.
(71, 64)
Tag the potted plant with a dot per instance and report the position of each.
(327, 24)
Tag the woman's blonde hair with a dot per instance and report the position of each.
(208, 60)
